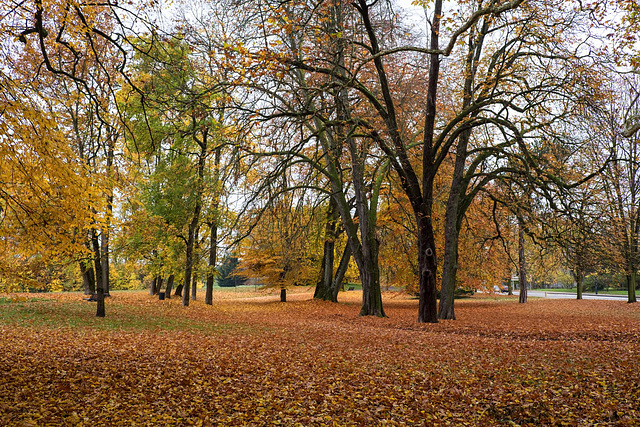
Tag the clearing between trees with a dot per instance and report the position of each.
(250, 360)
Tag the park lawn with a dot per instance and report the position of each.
(251, 360)
(574, 290)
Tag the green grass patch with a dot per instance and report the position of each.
(45, 313)
(574, 290)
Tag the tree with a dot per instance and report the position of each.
(279, 251)
(175, 127)
(621, 179)
(227, 276)
(309, 117)
(46, 194)
(329, 282)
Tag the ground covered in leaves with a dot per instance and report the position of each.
(251, 360)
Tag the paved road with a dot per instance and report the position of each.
(542, 294)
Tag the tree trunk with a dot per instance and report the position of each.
(427, 306)
(193, 225)
(169, 286)
(100, 309)
(319, 291)
(213, 255)
(194, 275)
(194, 286)
(106, 233)
(158, 286)
(455, 203)
(340, 273)
(88, 279)
(427, 262)
(579, 282)
(152, 289)
(323, 288)
(213, 225)
(522, 265)
(371, 292)
(283, 295)
(105, 262)
(189, 258)
(178, 292)
(631, 287)
(449, 271)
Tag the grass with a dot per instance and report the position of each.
(574, 290)
(57, 312)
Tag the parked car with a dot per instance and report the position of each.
(502, 288)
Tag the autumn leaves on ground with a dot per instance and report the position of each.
(251, 360)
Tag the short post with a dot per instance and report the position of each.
(161, 296)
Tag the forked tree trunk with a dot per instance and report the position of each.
(371, 292)
(323, 289)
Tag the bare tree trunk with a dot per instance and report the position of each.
(579, 282)
(456, 206)
(106, 233)
(100, 309)
(427, 262)
(158, 288)
(194, 286)
(88, 279)
(194, 276)
(213, 255)
(154, 285)
(283, 295)
(449, 271)
(323, 288)
(371, 292)
(522, 264)
(193, 225)
(631, 286)
(169, 286)
(340, 273)
(427, 305)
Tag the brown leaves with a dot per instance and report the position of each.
(254, 361)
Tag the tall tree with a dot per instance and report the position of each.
(621, 179)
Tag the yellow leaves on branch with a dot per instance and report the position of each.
(46, 195)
